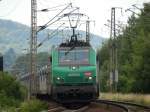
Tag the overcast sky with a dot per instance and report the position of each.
(98, 10)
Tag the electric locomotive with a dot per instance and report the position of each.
(74, 72)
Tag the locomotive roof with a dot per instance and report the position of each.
(75, 44)
(83, 47)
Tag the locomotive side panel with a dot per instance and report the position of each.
(45, 81)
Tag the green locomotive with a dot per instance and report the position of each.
(74, 72)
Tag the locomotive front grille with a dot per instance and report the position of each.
(73, 78)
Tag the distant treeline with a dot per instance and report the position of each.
(22, 63)
(133, 55)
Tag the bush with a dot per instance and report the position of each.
(33, 106)
(11, 92)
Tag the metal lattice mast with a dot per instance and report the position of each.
(113, 53)
(33, 47)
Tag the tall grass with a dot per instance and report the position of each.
(143, 99)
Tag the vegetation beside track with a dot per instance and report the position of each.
(13, 95)
(33, 106)
(11, 92)
(143, 99)
(133, 56)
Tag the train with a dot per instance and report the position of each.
(71, 75)
(74, 73)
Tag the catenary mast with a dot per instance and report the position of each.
(33, 47)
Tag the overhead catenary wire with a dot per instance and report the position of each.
(48, 10)
(53, 8)
(50, 36)
(129, 9)
(60, 17)
(134, 5)
(47, 24)
(53, 33)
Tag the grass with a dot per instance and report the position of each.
(143, 99)
(33, 106)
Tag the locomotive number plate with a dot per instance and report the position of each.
(73, 75)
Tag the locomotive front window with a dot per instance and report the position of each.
(74, 56)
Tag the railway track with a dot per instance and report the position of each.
(56, 109)
(103, 106)
(92, 107)
(77, 110)
(62, 109)
(128, 107)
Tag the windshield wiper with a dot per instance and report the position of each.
(70, 50)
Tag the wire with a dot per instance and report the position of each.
(58, 14)
(52, 34)
(57, 6)
(48, 10)
(46, 25)
(54, 8)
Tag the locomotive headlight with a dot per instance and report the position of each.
(90, 78)
(58, 78)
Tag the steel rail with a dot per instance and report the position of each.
(126, 109)
(78, 110)
(128, 103)
(56, 109)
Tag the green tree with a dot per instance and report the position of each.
(11, 92)
(133, 55)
